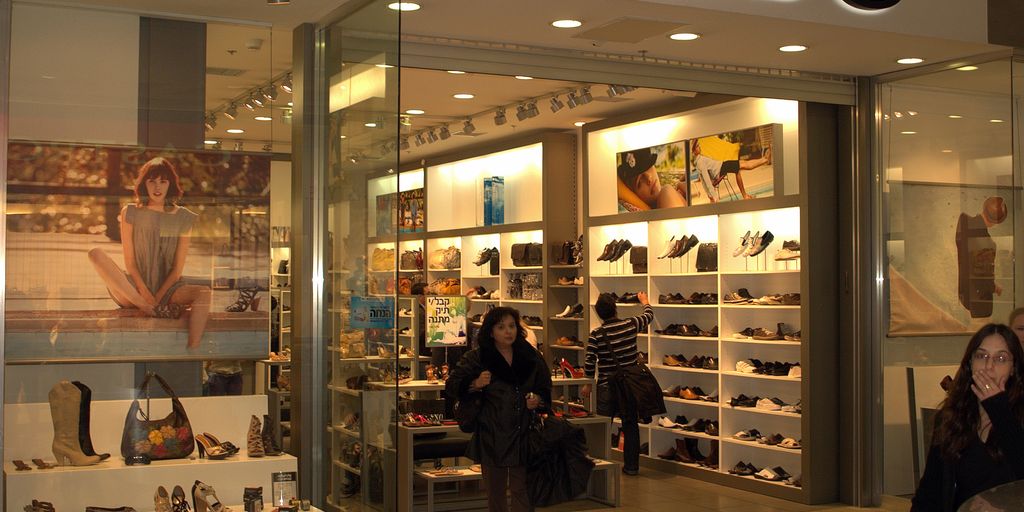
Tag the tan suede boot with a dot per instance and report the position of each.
(65, 407)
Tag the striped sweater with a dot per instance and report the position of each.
(620, 336)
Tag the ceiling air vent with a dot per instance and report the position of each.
(225, 72)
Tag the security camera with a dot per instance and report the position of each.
(254, 44)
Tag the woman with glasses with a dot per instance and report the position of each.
(978, 442)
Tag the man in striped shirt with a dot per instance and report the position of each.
(610, 346)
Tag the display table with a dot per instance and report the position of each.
(1002, 498)
(597, 429)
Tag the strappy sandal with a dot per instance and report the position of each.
(39, 506)
(169, 310)
(41, 464)
(21, 466)
(246, 298)
(790, 443)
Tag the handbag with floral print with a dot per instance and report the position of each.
(166, 438)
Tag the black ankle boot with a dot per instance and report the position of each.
(269, 435)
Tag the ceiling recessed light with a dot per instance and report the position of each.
(947, 150)
(263, 118)
(463, 96)
(370, 125)
(684, 36)
(967, 68)
(955, 116)
(343, 137)
(566, 23)
(235, 130)
(456, 72)
(384, 66)
(523, 77)
(579, 123)
(404, 6)
(995, 120)
(908, 133)
(792, 48)
(209, 142)
(909, 60)
(414, 111)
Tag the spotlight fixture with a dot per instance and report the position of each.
(404, 144)
(415, 111)
(898, 114)
(499, 117)
(531, 109)
(257, 98)
(444, 133)
(431, 137)
(521, 113)
(468, 127)
(456, 72)
(249, 104)
(579, 123)
(523, 77)
(211, 121)
(585, 96)
(286, 85)
(614, 90)
(270, 93)
(231, 112)
(955, 116)
(419, 139)
(572, 100)
(556, 104)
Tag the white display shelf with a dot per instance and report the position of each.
(763, 342)
(566, 347)
(781, 484)
(530, 267)
(568, 318)
(686, 464)
(565, 266)
(683, 274)
(757, 306)
(755, 410)
(701, 403)
(413, 385)
(683, 369)
(685, 306)
(756, 444)
(522, 301)
(561, 381)
(759, 376)
(680, 432)
(758, 272)
(684, 338)
(616, 276)
(577, 286)
(444, 270)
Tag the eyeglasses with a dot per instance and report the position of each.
(1000, 358)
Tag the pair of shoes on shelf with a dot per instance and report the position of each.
(790, 251)
(262, 438)
(675, 248)
(615, 250)
(204, 499)
(568, 341)
(753, 245)
(211, 448)
(571, 311)
(571, 281)
(485, 256)
(568, 371)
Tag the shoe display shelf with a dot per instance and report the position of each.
(682, 277)
(111, 483)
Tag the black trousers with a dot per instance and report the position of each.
(500, 481)
(630, 426)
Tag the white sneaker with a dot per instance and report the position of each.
(745, 366)
(565, 312)
(668, 247)
(667, 423)
(786, 255)
(768, 405)
(795, 372)
(578, 281)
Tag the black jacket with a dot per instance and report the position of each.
(504, 420)
(946, 484)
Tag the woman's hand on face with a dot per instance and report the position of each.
(482, 381)
(986, 385)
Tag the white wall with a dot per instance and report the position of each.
(280, 193)
(74, 75)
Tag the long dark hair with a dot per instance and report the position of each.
(158, 167)
(958, 417)
(486, 337)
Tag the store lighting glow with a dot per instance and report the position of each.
(967, 68)
(404, 6)
(912, 113)
(909, 60)
(463, 96)
(908, 133)
(898, 114)
(955, 116)
(290, 104)
(344, 137)
(995, 120)
(235, 130)
(684, 36)
(792, 48)
(456, 72)
(947, 150)
(211, 142)
(579, 123)
(415, 112)
(370, 125)
(384, 66)
(566, 23)
(263, 118)
(286, 85)
(523, 77)
(231, 112)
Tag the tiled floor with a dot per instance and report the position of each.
(653, 491)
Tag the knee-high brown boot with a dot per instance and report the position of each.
(65, 409)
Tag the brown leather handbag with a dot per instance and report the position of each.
(166, 438)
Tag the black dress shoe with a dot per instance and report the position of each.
(690, 244)
(623, 248)
(607, 250)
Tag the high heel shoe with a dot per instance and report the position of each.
(204, 499)
(210, 450)
(431, 374)
(65, 410)
(228, 446)
(269, 435)
(245, 298)
(39, 506)
(571, 372)
(162, 500)
(254, 440)
(179, 502)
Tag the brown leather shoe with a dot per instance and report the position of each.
(670, 360)
(688, 394)
(683, 452)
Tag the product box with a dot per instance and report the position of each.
(497, 200)
(487, 201)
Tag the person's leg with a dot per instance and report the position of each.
(198, 297)
(631, 443)
(496, 480)
(217, 384)
(123, 292)
(743, 190)
(517, 487)
(234, 384)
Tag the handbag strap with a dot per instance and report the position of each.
(144, 388)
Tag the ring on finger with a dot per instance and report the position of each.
(988, 386)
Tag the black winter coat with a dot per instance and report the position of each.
(504, 420)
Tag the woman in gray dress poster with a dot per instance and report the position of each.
(155, 239)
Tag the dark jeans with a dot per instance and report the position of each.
(221, 385)
(499, 481)
(630, 427)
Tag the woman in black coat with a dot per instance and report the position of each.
(512, 380)
(978, 442)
